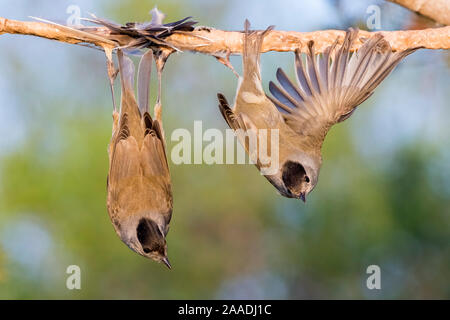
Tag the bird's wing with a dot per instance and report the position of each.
(155, 169)
(153, 154)
(330, 86)
(233, 121)
(242, 125)
(139, 173)
(124, 170)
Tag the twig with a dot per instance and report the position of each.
(218, 42)
(50, 31)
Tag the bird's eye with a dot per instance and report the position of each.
(307, 179)
(146, 250)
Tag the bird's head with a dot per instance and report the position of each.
(297, 176)
(298, 179)
(145, 237)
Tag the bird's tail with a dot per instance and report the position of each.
(128, 105)
(251, 53)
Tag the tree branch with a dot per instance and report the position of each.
(438, 10)
(50, 31)
(282, 41)
(218, 42)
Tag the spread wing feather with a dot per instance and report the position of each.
(330, 86)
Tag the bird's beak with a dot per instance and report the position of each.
(302, 196)
(166, 262)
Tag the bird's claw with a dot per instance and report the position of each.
(225, 60)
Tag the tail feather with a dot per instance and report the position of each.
(128, 103)
(251, 52)
(144, 74)
(126, 68)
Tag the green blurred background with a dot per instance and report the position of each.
(383, 196)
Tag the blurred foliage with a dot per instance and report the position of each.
(231, 235)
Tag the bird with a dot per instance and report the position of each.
(329, 88)
(139, 200)
(139, 186)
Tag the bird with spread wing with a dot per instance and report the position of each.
(329, 87)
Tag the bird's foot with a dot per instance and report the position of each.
(225, 60)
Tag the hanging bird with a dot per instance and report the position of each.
(329, 88)
(139, 187)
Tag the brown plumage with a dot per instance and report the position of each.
(139, 188)
(329, 88)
